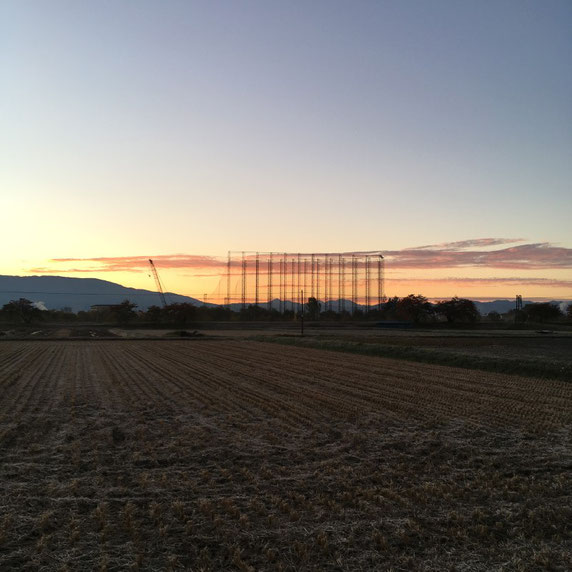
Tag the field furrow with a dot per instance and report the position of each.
(242, 455)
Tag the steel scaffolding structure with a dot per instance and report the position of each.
(295, 277)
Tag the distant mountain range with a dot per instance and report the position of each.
(56, 292)
(77, 294)
(502, 306)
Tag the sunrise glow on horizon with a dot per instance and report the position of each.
(437, 271)
(437, 133)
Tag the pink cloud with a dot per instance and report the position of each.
(535, 256)
(525, 257)
(475, 242)
(41, 270)
(136, 263)
(545, 282)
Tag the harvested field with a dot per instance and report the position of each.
(242, 455)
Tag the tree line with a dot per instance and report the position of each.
(414, 308)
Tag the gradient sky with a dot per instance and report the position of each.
(132, 129)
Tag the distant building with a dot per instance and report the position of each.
(103, 307)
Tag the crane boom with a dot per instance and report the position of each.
(158, 283)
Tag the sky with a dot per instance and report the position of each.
(436, 132)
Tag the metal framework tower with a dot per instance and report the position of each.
(312, 282)
(367, 284)
(318, 279)
(292, 284)
(228, 280)
(380, 275)
(354, 284)
(270, 282)
(339, 283)
(326, 284)
(243, 289)
(298, 283)
(281, 283)
(330, 296)
(257, 273)
(328, 277)
(285, 285)
(305, 279)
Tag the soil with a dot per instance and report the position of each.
(242, 455)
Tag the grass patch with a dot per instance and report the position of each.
(527, 367)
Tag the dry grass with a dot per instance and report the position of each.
(250, 456)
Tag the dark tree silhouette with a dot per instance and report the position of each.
(389, 309)
(22, 309)
(415, 308)
(154, 314)
(252, 312)
(124, 312)
(458, 310)
(542, 312)
(313, 308)
(180, 314)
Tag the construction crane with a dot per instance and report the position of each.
(158, 283)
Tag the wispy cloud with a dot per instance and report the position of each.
(473, 243)
(59, 270)
(523, 257)
(131, 263)
(468, 281)
(461, 254)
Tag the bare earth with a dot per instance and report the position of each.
(241, 455)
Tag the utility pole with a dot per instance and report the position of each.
(302, 313)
